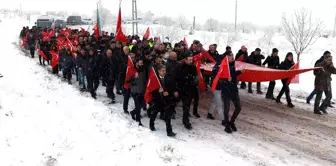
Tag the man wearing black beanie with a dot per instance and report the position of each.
(273, 63)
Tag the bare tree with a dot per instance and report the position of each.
(211, 25)
(164, 20)
(205, 38)
(183, 22)
(218, 36)
(269, 33)
(302, 31)
(173, 33)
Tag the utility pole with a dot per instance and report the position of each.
(236, 19)
(134, 18)
(334, 31)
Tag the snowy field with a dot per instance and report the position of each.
(44, 121)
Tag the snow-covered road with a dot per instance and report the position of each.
(44, 120)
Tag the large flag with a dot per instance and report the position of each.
(152, 84)
(295, 79)
(120, 36)
(147, 34)
(97, 27)
(54, 59)
(129, 72)
(223, 72)
(254, 73)
(42, 54)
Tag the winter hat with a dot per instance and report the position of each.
(228, 48)
(258, 49)
(326, 53)
(275, 50)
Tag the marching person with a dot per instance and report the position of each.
(111, 65)
(162, 99)
(92, 73)
(242, 53)
(323, 83)
(68, 63)
(187, 79)
(255, 58)
(286, 65)
(138, 87)
(273, 63)
(230, 93)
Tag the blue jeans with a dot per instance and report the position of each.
(312, 94)
(81, 76)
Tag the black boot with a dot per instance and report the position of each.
(187, 126)
(209, 116)
(228, 129)
(151, 124)
(318, 112)
(171, 134)
(290, 105)
(196, 115)
(233, 127)
(132, 115)
(126, 112)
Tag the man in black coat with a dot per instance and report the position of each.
(255, 58)
(187, 79)
(163, 100)
(230, 93)
(92, 72)
(172, 67)
(272, 62)
(111, 66)
(243, 52)
(122, 61)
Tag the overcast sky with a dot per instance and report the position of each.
(262, 12)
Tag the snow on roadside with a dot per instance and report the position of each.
(43, 120)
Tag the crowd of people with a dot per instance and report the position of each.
(96, 59)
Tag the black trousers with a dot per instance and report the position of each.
(187, 97)
(32, 51)
(258, 86)
(166, 108)
(242, 85)
(138, 102)
(127, 95)
(55, 70)
(270, 89)
(236, 103)
(285, 90)
(93, 83)
(326, 101)
(109, 89)
(121, 82)
(67, 74)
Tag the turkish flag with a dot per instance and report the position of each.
(152, 84)
(120, 36)
(55, 58)
(223, 72)
(147, 34)
(295, 79)
(197, 62)
(207, 56)
(42, 54)
(129, 72)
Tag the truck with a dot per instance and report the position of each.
(45, 21)
(74, 20)
(59, 23)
